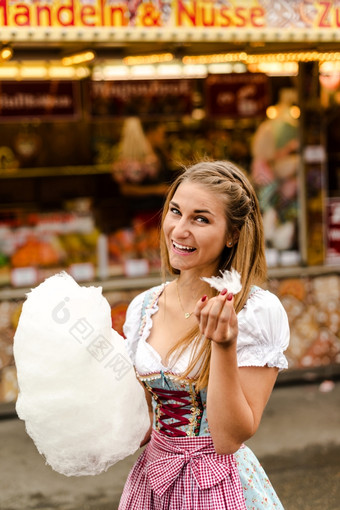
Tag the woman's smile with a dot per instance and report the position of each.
(182, 249)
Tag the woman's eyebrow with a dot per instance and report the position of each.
(196, 211)
(174, 204)
(205, 211)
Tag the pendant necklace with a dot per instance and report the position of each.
(187, 315)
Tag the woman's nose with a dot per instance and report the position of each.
(181, 228)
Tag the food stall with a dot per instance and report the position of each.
(256, 82)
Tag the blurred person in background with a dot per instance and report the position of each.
(274, 170)
(142, 168)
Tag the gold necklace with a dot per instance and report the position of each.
(187, 315)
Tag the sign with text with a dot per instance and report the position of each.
(333, 231)
(259, 15)
(141, 97)
(237, 95)
(38, 99)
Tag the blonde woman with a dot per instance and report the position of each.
(208, 360)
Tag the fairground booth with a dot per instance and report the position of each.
(86, 86)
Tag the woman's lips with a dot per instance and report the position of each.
(182, 249)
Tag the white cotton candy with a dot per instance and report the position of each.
(79, 396)
(230, 280)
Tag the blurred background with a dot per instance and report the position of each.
(102, 103)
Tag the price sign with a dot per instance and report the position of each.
(82, 272)
(136, 267)
(24, 276)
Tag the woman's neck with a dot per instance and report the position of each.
(191, 287)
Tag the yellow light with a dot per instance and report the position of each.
(42, 70)
(294, 112)
(148, 59)
(9, 72)
(213, 59)
(224, 68)
(109, 72)
(195, 70)
(82, 72)
(238, 67)
(275, 68)
(298, 56)
(61, 72)
(78, 58)
(169, 70)
(31, 72)
(271, 112)
(6, 53)
(329, 67)
(198, 114)
(143, 70)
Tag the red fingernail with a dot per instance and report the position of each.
(204, 298)
(224, 291)
(230, 297)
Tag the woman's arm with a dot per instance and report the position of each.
(236, 397)
(148, 434)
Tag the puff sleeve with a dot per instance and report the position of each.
(132, 325)
(263, 332)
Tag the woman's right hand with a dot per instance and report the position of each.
(217, 318)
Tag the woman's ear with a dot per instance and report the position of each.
(236, 235)
(231, 242)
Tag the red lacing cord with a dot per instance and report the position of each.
(176, 410)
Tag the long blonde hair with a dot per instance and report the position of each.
(247, 255)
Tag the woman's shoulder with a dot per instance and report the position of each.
(136, 316)
(263, 317)
(263, 302)
(142, 300)
(137, 307)
(263, 330)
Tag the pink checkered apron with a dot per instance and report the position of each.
(182, 473)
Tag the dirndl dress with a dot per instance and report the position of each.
(179, 468)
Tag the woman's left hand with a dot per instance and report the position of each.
(217, 318)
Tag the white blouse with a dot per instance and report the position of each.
(262, 339)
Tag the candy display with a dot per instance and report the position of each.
(314, 321)
(47, 242)
(8, 384)
(138, 241)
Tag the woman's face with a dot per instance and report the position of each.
(195, 228)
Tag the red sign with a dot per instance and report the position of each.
(333, 231)
(227, 14)
(141, 97)
(38, 99)
(237, 95)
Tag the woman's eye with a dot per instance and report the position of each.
(202, 219)
(174, 210)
